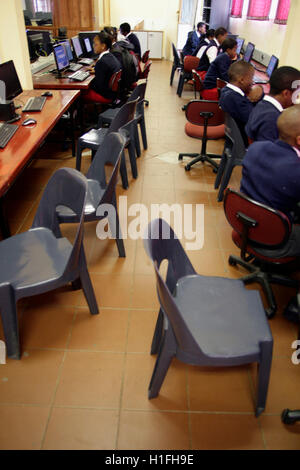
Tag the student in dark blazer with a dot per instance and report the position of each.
(105, 67)
(219, 69)
(125, 30)
(262, 123)
(239, 96)
(193, 39)
(212, 50)
(204, 42)
(271, 173)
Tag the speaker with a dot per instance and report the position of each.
(7, 110)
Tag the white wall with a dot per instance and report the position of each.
(266, 35)
(13, 40)
(157, 15)
(290, 49)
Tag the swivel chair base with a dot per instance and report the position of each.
(200, 158)
(290, 417)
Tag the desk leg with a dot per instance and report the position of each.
(4, 227)
(72, 130)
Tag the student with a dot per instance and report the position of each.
(125, 30)
(212, 51)
(193, 39)
(105, 67)
(204, 42)
(239, 96)
(219, 69)
(263, 119)
(271, 172)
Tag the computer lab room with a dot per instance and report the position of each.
(150, 226)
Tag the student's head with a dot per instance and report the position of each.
(210, 34)
(241, 74)
(113, 32)
(230, 46)
(201, 28)
(221, 34)
(281, 84)
(102, 42)
(125, 29)
(289, 126)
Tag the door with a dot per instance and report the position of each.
(187, 15)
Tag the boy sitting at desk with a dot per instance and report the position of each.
(239, 96)
(271, 173)
(262, 123)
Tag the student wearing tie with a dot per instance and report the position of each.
(271, 173)
(125, 30)
(193, 39)
(262, 123)
(219, 69)
(212, 51)
(239, 96)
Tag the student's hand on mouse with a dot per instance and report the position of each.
(255, 93)
(91, 70)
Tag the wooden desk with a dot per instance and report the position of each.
(20, 150)
(47, 81)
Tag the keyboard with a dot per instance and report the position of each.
(6, 133)
(75, 67)
(35, 104)
(79, 76)
(86, 61)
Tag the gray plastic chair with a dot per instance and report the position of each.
(107, 116)
(99, 192)
(204, 321)
(121, 123)
(41, 260)
(233, 155)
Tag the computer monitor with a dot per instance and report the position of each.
(88, 45)
(68, 48)
(9, 76)
(77, 47)
(273, 64)
(249, 52)
(61, 58)
(240, 42)
(46, 45)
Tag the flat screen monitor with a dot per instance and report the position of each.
(9, 76)
(240, 42)
(77, 47)
(61, 58)
(68, 48)
(88, 46)
(273, 64)
(249, 52)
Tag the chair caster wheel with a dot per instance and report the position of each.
(180, 157)
(187, 168)
(215, 171)
(183, 108)
(286, 417)
(270, 313)
(232, 262)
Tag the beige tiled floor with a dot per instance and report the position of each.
(82, 381)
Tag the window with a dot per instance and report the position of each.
(237, 8)
(283, 10)
(42, 5)
(259, 9)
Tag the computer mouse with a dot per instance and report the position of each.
(29, 122)
(47, 93)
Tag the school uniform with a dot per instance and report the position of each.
(262, 123)
(192, 43)
(234, 102)
(131, 37)
(271, 175)
(217, 69)
(203, 43)
(209, 55)
(105, 67)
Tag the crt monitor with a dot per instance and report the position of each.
(68, 48)
(61, 58)
(88, 46)
(273, 64)
(240, 42)
(249, 52)
(9, 76)
(77, 47)
(47, 42)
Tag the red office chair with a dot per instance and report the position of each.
(198, 84)
(205, 122)
(190, 63)
(145, 57)
(262, 234)
(114, 82)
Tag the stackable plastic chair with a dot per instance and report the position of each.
(41, 260)
(177, 64)
(107, 117)
(204, 321)
(190, 63)
(122, 122)
(205, 122)
(233, 155)
(261, 233)
(99, 191)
